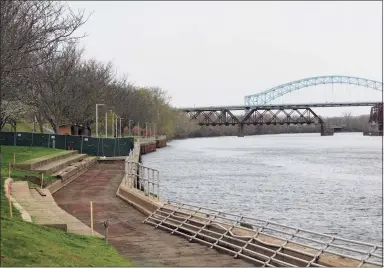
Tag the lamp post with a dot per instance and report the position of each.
(116, 133)
(120, 127)
(97, 119)
(106, 123)
(129, 127)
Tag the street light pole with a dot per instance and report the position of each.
(117, 133)
(106, 124)
(129, 127)
(120, 127)
(97, 120)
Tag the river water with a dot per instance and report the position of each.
(327, 184)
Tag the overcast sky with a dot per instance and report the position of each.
(215, 53)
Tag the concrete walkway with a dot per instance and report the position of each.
(139, 242)
(44, 210)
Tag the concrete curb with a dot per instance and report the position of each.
(24, 214)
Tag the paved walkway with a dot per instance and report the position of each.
(141, 243)
(44, 210)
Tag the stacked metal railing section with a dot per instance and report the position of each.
(141, 177)
(217, 230)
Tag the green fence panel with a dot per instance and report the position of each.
(7, 138)
(74, 142)
(41, 140)
(61, 142)
(109, 147)
(24, 139)
(125, 145)
(92, 146)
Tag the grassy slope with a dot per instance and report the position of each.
(27, 244)
(25, 127)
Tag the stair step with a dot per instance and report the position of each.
(44, 160)
(60, 164)
(71, 170)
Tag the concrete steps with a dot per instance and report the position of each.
(36, 163)
(73, 168)
(57, 165)
(44, 210)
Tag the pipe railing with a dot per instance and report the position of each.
(196, 221)
(142, 178)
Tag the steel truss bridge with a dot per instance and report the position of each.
(273, 114)
(275, 92)
(259, 112)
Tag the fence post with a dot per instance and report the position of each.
(81, 146)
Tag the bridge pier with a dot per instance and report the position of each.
(326, 131)
(375, 121)
(241, 131)
(374, 130)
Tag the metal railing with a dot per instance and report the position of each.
(142, 178)
(282, 245)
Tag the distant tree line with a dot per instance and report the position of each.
(45, 76)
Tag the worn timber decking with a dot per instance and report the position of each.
(141, 243)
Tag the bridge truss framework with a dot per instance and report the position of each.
(292, 114)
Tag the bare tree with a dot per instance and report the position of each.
(27, 29)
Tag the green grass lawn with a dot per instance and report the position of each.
(28, 244)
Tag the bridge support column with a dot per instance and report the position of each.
(326, 131)
(375, 121)
(241, 131)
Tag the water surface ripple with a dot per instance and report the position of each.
(328, 184)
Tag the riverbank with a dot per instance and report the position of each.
(28, 244)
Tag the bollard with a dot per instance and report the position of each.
(9, 200)
(106, 224)
(91, 217)
(42, 180)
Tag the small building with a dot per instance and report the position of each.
(75, 130)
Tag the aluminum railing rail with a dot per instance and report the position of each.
(231, 233)
(141, 177)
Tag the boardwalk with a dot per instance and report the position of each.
(139, 242)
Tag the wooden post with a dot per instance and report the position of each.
(91, 217)
(9, 201)
(42, 180)
(9, 170)
(14, 158)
